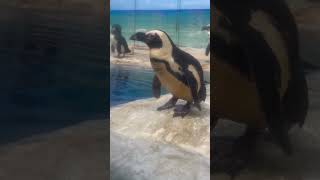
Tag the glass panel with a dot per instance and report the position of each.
(193, 15)
(123, 13)
(157, 15)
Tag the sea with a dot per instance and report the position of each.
(183, 26)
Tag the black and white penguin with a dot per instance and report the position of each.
(118, 42)
(258, 75)
(207, 28)
(179, 72)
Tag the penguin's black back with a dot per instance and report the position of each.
(184, 59)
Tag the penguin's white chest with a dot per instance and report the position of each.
(113, 40)
(171, 83)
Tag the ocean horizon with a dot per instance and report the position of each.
(158, 10)
(182, 25)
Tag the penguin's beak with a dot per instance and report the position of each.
(207, 28)
(139, 36)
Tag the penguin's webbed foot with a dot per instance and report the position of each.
(197, 105)
(182, 110)
(170, 104)
(234, 161)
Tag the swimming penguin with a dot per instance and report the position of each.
(207, 28)
(118, 42)
(179, 72)
(258, 75)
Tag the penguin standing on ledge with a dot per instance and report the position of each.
(179, 72)
(118, 42)
(258, 75)
(207, 28)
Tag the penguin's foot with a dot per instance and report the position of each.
(234, 161)
(197, 105)
(170, 104)
(182, 110)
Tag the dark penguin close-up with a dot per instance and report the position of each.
(179, 72)
(258, 75)
(118, 42)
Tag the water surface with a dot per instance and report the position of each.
(128, 83)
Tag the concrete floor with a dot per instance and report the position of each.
(77, 152)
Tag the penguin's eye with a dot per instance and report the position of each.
(149, 37)
(153, 40)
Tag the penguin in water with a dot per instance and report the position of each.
(118, 42)
(258, 74)
(207, 28)
(179, 72)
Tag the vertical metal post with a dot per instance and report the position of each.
(177, 21)
(134, 24)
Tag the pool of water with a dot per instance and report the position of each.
(128, 83)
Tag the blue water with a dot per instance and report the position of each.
(183, 26)
(129, 83)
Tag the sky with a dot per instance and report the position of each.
(158, 4)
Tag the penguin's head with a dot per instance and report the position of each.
(155, 39)
(223, 28)
(116, 29)
(205, 28)
(158, 41)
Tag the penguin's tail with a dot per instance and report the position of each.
(296, 100)
(126, 47)
(207, 49)
(127, 50)
(309, 67)
(202, 92)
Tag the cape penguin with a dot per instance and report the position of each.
(118, 42)
(258, 75)
(207, 28)
(179, 72)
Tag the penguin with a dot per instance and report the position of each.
(207, 28)
(179, 72)
(258, 74)
(118, 42)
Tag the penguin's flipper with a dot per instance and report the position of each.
(208, 49)
(127, 50)
(125, 44)
(156, 87)
(192, 83)
(266, 69)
